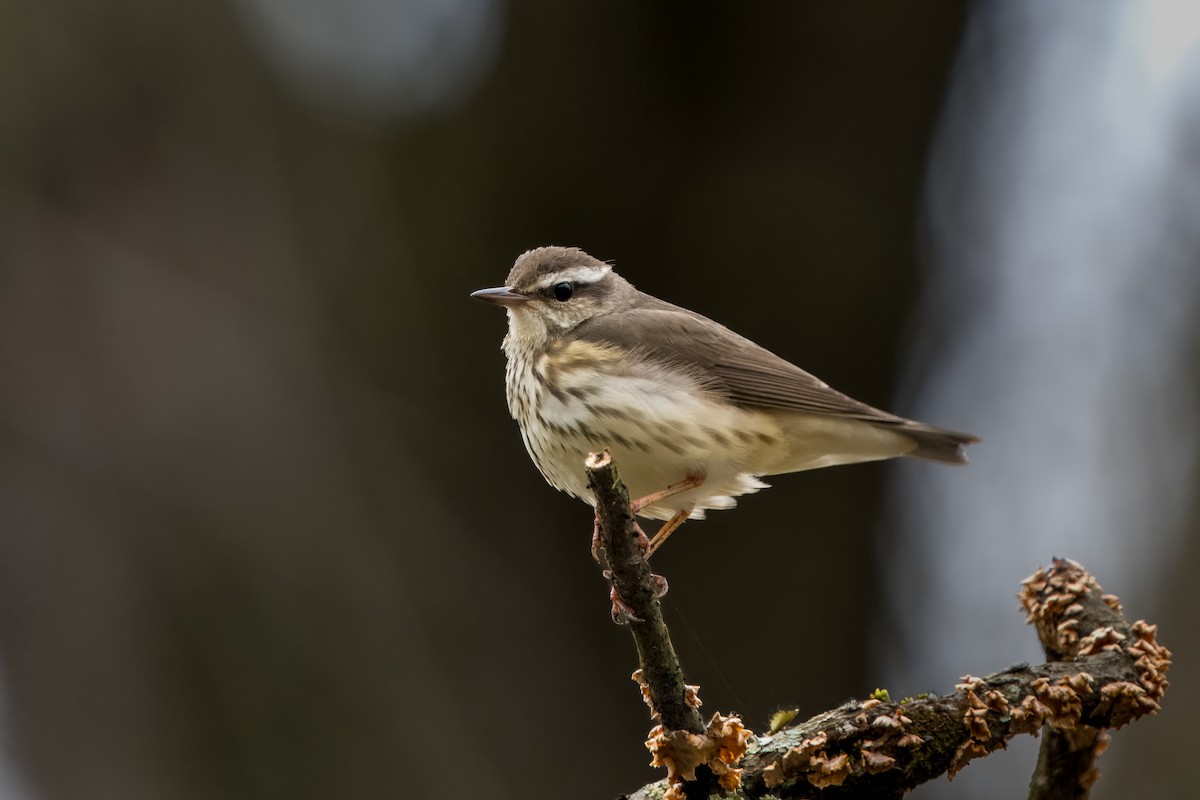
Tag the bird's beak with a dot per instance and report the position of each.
(502, 296)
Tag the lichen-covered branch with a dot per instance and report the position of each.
(697, 757)
(667, 693)
(1061, 603)
(1102, 672)
(879, 748)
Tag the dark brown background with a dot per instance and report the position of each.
(269, 530)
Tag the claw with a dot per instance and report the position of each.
(643, 541)
(597, 542)
(622, 614)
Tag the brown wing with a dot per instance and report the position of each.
(750, 375)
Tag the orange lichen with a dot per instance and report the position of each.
(1060, 701)
(1153, 660)
(876, 762)
(639, 678)
(975, 718)
(1050, 595)
(1124, 702)
(809, 759)
(968, 750)
(1028, 716)
(720, 748)
(1068, 632)
(1080, 682)
(887, 722)
(969, 683)
(1104, 638)
(981, 739)
(826, 771)
(772, 775)
(1089, 778)
(995, 701)
(1063, 602)
(797, 759)
(691, 694)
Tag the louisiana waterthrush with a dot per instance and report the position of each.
(693, 413)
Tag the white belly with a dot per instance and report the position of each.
(665, 428)
(659, 433)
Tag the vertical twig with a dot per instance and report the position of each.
(1063, 603)
(638, 589)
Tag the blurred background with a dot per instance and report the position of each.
(266, 528)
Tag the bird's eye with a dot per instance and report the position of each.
(563, 291)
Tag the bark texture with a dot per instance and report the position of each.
(1102, 672)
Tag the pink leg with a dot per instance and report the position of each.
(690, 482)
(622, 614)
(669, 527)
(598, 543)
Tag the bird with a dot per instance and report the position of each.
(694, 414)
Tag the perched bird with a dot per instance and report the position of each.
(693, 413)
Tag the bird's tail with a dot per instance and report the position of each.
(939, 444)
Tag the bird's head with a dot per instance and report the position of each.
(551, 290)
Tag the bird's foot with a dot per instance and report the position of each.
(689, 482)
(622, 614)
(641, 539)
(597, 542)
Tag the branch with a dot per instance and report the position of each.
(1102, 672)
(697, 757)
(1116, 674)
(1060, 605)
(666, 692)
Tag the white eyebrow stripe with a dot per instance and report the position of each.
(582, 274)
